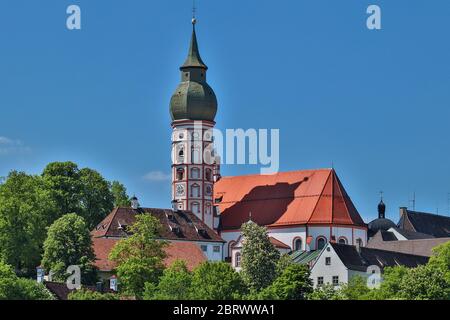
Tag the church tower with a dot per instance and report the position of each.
(195, 167)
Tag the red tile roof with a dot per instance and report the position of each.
(287, 198)
(190, 252)
(187, 225)
(278, 244)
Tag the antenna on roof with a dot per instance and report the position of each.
(413, 201)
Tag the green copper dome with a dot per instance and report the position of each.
(193, 99)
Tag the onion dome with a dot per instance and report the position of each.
(194, 99)
(381, 223)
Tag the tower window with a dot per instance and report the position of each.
(208, 174)
(181, 155)
(195, 207)
(195, 173)
(208, 190)
(208, 208)
(180, 174)
(342, 240)
(195, 190)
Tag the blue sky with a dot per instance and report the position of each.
(374, 103)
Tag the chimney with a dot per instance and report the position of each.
(358, 246)
(403, 211)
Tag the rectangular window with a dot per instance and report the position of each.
(319, 281)
(216, 249)
(205, 248)
(335, 280)
(328, 261)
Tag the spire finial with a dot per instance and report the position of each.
(194, 11)
(381, 195)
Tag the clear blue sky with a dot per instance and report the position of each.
(375, 103)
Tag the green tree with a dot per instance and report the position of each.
(140, 257)
(63, 182)
(326, 292)
(84, 192)
(69, 243)
(85, 294)
(356, 289)
(26, 209)
(175, 284)
(441, 260)
(283, 263)
(390, 287)
(15, 288)
(259, 257)
(216, 281)
(96, 198)
(293, 284)
(121, 198)
(424, 283)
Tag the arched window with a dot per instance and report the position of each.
(237, 260)
(195, 173)
(230, 247)
(342, 240)
(321, 242)
(208, 174)
(195, 207)
(181, 155)
(208, 190)
(195, 191)
(180, 174)
(298, 244)
(359, 242)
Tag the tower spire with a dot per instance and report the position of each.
(381, 207)
(194, 59)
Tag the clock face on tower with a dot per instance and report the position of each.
(180, 190)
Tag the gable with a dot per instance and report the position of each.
(283, 199)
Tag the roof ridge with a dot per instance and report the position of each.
(344, 196)
(320, 196)
(278, 173)
(428, 213)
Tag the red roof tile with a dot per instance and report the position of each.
(278, 244)
(189, 252)
(287, 198)
(186, 224)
